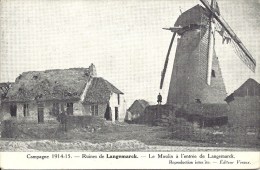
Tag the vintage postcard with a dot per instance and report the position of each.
(151, 84)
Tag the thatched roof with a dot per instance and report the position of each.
(100, 91)
(58, 84)
(249, 88)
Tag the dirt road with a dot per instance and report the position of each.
(121, 145)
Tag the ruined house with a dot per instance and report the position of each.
(245, 104)
(42, 95)
(136, 109)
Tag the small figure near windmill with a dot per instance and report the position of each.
(159, 99)
(196, 76)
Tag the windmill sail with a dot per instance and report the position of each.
(239, 47)
(166, 61)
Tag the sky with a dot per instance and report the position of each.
(124, 40)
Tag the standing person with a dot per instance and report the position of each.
(159, 99)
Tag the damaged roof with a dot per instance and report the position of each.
(58, 84)
(61, 85)
(135, 106)
(100, 91)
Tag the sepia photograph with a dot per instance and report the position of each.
(129, 76)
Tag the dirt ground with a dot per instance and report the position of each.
(80, 146)
(111, 137)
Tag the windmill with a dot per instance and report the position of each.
(196, 75)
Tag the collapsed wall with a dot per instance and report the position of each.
(206, 115)
(14, 128)
(84, 122)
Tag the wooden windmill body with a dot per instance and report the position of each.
(196, 75)
(189, 75)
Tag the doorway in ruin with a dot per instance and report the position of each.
(108, 114)
(13, 110)
(40, 112)
(116, 113)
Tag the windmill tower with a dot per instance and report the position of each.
(196, 75)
